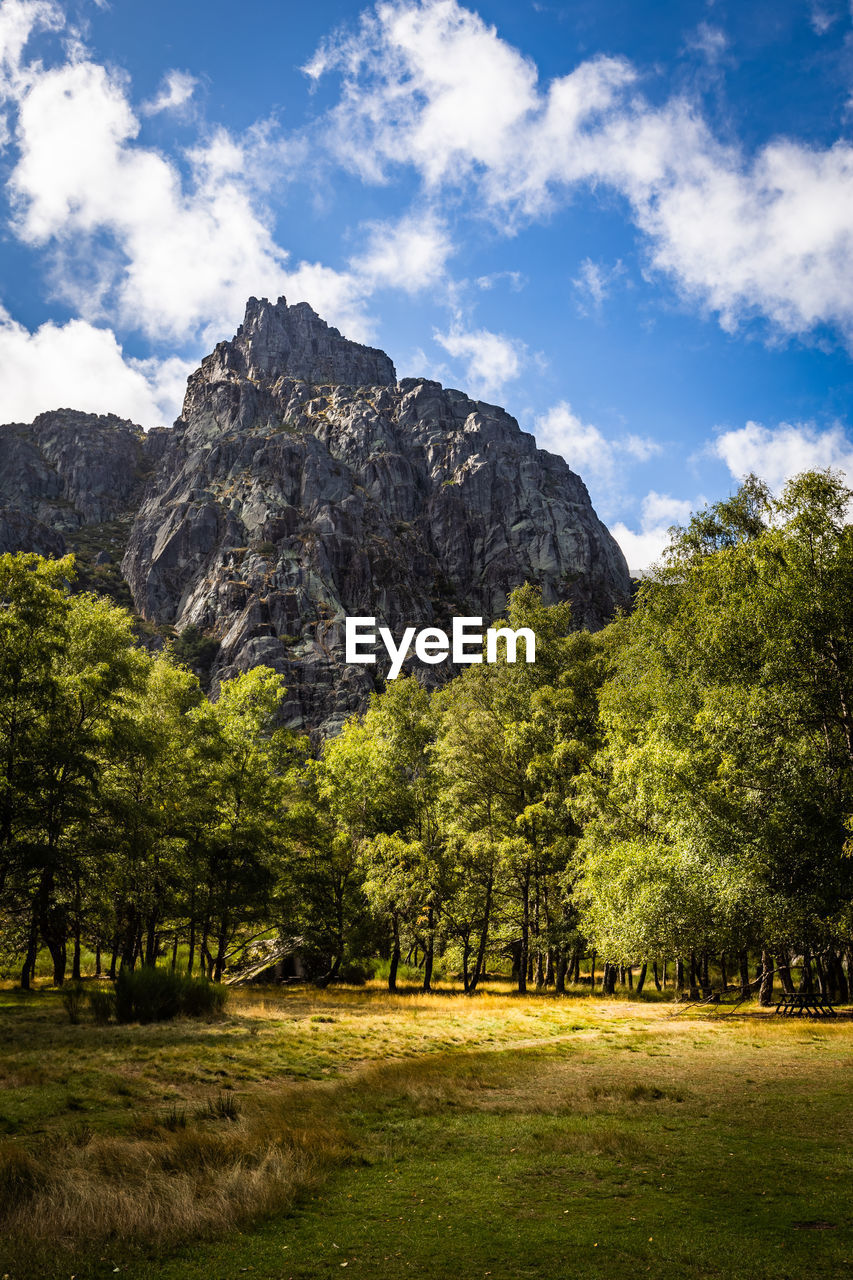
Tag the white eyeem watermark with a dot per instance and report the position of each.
(432, 645)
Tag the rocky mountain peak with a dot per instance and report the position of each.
(276, 340)
(301, 486)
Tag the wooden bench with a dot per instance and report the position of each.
(808, 1002)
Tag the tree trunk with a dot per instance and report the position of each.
(221, 947)
(822, 984)
(59, 956)
(203, 953)
(75, 962)
(429, 952)
(641, 980)
(175, 952)
(806, 977)
(75, 958)
(655, 976)
(679, 976)
(29, 966)
(743, 961)
(98, 959)
(484, 934)
(765, 991)
(783, 964)
(525, 934)
(841, 984)
(151, 941)
(694, 977)
(395, 955)
(706, 977)
(560, 978)
(724, 978)
(592, 972)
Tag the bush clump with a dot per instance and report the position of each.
(149, 994)
(354, 972)
(72, 995)
(103, 1005)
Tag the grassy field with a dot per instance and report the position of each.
(312, 1134)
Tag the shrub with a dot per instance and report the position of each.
(223, 1107)
(149, 994)
(72, 997)
(353, 972)
(103, 1005)
(202, 999)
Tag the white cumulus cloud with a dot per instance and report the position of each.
(659, 512)
(775, 454)
(491, 359)
(138, 241)
(585, 447)
(78, 366)
(181, 254)
(410, 254)
(428, 84)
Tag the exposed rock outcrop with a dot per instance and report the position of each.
(67, 469)
(303, 483)
(285, 502)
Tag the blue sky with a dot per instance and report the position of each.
(631, 223)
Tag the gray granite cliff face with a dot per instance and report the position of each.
(64, 471)
(303, 484)
(275, 338)
(286, 501)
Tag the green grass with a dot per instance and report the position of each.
(438, 1136)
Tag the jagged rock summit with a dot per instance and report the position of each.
(275, 339)
(303, 484)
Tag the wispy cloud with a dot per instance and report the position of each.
(174, 93)
(594, 283)
(710, 42)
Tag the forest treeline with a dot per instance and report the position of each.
(678, 786)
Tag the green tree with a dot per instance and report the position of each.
(513, 737)
(381, 783)
(715, 813)
(241, 775)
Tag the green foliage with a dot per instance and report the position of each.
(194, 649)
(714, 815)
(679, 784)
